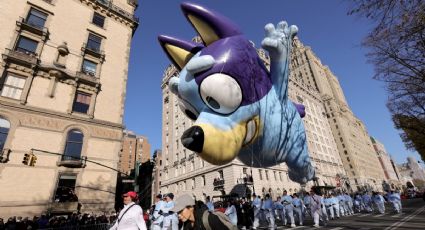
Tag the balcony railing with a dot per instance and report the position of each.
(89, 72)
(218, 183)
(182, 160)
(72, 162)
(103, 226)
(116, 9)
(248, 180)
(21, 56)
(32, 27)
(87, 78)
(4, 155)
(65, 207)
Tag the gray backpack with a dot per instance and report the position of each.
(223, 218)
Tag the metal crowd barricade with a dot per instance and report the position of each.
(103, 226)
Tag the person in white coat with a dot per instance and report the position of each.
(379, 201)
(289, 208)
(157, 217)
(394, 198)
(210, 204)
(298, 204)
(131, 216)
(170, 218)
(231, 213)
(279, 210)
(267, 207)
(315, 207)
(256, 204)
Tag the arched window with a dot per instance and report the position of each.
(74, 145)
(4, 130)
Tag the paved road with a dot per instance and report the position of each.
(412, 218)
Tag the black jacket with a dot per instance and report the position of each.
(213, 220)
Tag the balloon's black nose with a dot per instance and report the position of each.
(193, 139)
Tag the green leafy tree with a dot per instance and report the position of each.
(396, 48)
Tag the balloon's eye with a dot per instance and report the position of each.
(188, 109)
(221, 93)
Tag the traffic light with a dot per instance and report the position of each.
(27, 159)
(33, 160)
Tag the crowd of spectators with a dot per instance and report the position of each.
(57, 222)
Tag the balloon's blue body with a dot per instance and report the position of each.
(240, 108)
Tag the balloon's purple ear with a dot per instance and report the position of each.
(178, 51)
(211, 26)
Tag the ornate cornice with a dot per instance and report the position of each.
(49, 121)
(82, 80)
(114, 11)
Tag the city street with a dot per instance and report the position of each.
(413, 217)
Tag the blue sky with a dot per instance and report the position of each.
(323, 25)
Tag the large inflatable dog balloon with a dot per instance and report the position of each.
(240, 109)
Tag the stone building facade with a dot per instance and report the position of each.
(391, 177)
(350, 134)
(156, 174)
(135, 148)
(183, 171)
(411, 170)
(63, 76)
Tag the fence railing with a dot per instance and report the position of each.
(104, 226)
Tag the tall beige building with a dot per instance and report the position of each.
(156, 174)
(391, 177)
(350, 134)
(135, 148)
(411, 170)
(183, 171)
(63, 77)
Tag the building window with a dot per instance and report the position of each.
(26, 45)
(13, 87)
(260, 173)
(244, 170)
(351, 166)
(98, 20)
(81, 102)
(267, 175)
(203, 181)
(36, 18)
(193, 183)
(4, 130)
(280, 176)
(300, 99)
(220, 174)
(74, 145)
(275, 176)
(65, 192)
(93, 43)
(89, 67)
